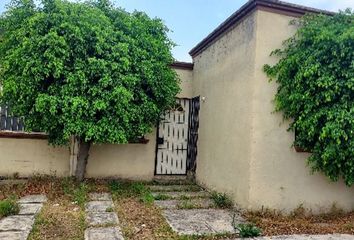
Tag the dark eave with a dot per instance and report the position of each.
(267, 5)
(182, 65)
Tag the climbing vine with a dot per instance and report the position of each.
(315, 76)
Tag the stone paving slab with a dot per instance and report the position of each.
(175, 204)
(201, 221)
(306, 237)
(101, 218)
(33, 199)
(174, 188)
(100, 197)
(179, 195)
(17, 223)
(30, 208)
(111, 233)
(99, 206)
(14, 235)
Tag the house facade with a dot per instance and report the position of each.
(224, 128)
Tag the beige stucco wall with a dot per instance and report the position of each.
(186, 80)
(224, 75)
(279, 175)
(28, 156)
(244, 148)
(128, 161)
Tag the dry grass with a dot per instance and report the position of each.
(142, 220)
(302, 222)
(60, 217)
(59, 220)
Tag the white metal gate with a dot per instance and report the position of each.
(172, 140)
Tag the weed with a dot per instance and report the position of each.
(221, 200)
(115, 186)
(80, 194)
(184, 197)
(147, 198)
(161, 196)
(138, 189)
(9, 207)
(68, 186)
(186, 204)
(110, 209)
(127, 189)
(248, 230)
(299, 212)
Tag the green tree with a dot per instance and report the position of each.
(88, 70)
(316, 90)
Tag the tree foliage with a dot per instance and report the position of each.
(315, 74)
(85, 69)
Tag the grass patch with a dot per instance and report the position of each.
(187, 204)
(131, 189)
(110, 209)
(162, 196)
(127, 189)
(147, 198)
(141, 221)
(59, 220)
(9, 207)
(78, 193)
(221, 200)
(248, 230)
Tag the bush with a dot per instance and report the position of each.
(248, 230)
(315, 76)
(9, 207)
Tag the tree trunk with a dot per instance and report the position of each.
(82, 157)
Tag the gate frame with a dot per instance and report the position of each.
(157, 145)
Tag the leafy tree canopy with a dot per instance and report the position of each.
(316, 90)
(85, 69)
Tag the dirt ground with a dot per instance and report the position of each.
(63, 215)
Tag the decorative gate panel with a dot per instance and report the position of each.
(172, 140)
(193, 134)
(177, 137)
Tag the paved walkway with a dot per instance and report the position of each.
(101, 218)
(18, 227)
(190, 211)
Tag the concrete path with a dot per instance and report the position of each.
(101, 218)
(18, 227)
(189, 210)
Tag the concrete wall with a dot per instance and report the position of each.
(126, 161)
(279, 176)
(29, 156)
(224, 76)
(186, 77)
(129, 161)
(244, 149)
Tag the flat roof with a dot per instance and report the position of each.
(271, 5)
(182, 65)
